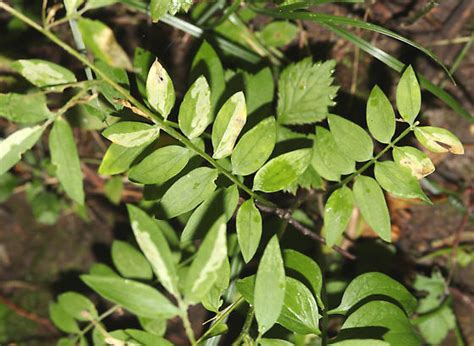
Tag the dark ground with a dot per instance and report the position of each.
(38, 262)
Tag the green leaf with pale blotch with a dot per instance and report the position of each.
(254, 148)
(138, 298)
(308, 268)
(212, 300)
(415, 160)
(15, 145)
(305, 92)
(77, 306)
(328, 160)
(380, 116)
(209, 258)
(24, 108)
(397, 329)
(269, 293)
(229, 122)
(62, 320)
(438, 140)
(278, 33)
(195, 112)
(375, 284)
(189, 191)
(221, 203)
(160, 89)
(249, 229)
(398, 181)
(371, 202)
(408, 95)
(282, 171)
(65, 157)
(161, 165)
(43, 73)
(259, 91)
(131, 133)
(337, 214)
(299, 312)
(100, 40)
(155, 247)
(352, 140)
(118, 159)
(206, 62)
(130, 262)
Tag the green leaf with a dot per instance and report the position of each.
(155, 247)
(160, 89)
(62, 320)
(131, 134)
(142, 61)
(438, 140)
(195, 112)
(408, 95)
(305, 92)
(72, 5)
(113, 189)
(43, 73)
(270, 285)
(415, 160)
(8, 182)
(282, 171)
(435, 327)
(228, 124)
(24, 108)
(384, 315)
(129, 262)
(161, 165)
(92, 4)
(156, 326)
(118, 159)
(278, 33)
(249, 229)
(380, 116)
(274, 342)
(371, 202)
(206, 62)
(375, 285)
(254, 148)
(100, 40)
(221, 203)
(46, 207)
(360, 342)
(189, 191)
(66, 159)
(205, 267)
(138, 298)
(77, 306)
(398, 181)
(15, 145)
(119, 76)
(158, 8)
(337, 214)
(259, 90)
(299, 312)
(306, 267)
(212, 301)
(352, 140)
(328, 160)
(100, 269)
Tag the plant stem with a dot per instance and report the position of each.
(221, 317)
(93, 323)
(146, 112)
(379, 155)
(246, 327)
(186, 323)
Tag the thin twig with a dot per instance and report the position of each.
(284, 214)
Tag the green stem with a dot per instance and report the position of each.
(378, 156)
(220, 318)
(246, 327)
(186, 323)
(98, 320)
(146, 112)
